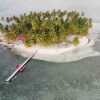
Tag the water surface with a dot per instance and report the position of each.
(43, 80)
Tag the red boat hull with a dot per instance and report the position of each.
(21, 69)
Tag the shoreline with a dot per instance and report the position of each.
(51, 50)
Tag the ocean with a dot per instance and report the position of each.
(74, 75)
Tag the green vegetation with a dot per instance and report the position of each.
(1, 27)
(46, 28)
(75, 41)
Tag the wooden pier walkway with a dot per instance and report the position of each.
(15, 72)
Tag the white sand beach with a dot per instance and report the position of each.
(50, 50)
(91, 9)
(55, 53)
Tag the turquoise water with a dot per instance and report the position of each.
(41, 80)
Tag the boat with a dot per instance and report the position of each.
(21, 69)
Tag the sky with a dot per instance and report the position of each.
(16, 7)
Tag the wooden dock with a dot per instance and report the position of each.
(15, 72)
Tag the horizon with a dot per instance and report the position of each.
(13, 7)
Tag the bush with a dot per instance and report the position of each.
(75, 41)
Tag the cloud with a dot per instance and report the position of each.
(16, 7)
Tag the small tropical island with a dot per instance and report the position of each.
(48, 32)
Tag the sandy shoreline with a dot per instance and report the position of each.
(51, 50)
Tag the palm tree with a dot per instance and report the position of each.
(82, 14)
(46, 28)
(57, 23)
(24, 15)
(53, 13)
(2, 18)
(1, 27)
(34, 25)
(11, 19)
(7, 19)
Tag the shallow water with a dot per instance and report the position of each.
(42, 80)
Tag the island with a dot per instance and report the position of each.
(51, 33)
